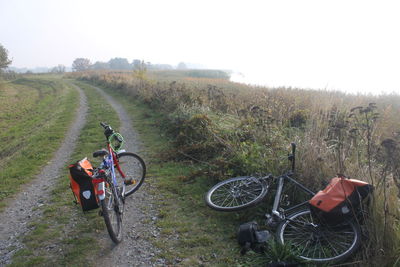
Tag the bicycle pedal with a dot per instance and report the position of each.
(100, 213)
(130, 182)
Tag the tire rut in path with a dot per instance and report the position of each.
(139, 215)
(21, 210)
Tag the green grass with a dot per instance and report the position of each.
(191, 233)
(34, 117)
(64, 235)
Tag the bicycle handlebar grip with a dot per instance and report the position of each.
(293, 148)
(103, 124)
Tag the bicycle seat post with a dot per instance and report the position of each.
(292, 156)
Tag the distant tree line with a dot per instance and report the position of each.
(58, 69)
(118, 63)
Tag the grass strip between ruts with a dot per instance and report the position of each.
(64, 235)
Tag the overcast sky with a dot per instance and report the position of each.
(349, 45)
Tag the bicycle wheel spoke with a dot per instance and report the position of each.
(225, 200)
(331, 246)
(319, 243)
(111, 213)
(133, 169)
(236, 193)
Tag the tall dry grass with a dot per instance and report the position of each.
(234, 129)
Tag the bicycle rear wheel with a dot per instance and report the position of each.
(112, 209)
(236, 193)
(134, 169)
(317, 242)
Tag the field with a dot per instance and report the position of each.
(226, 129)
(35, 113)
(197, 129)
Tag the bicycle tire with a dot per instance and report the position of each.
(319, 243)
(111, 214)
(236, 193)
(134, 169)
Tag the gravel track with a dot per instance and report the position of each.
(21, 209)
(139, 216)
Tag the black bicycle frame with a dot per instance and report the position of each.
(281, 180)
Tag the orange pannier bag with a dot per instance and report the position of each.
(81, 183)
(340, 200)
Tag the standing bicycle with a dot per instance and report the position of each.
(314, 240)
(119, 175)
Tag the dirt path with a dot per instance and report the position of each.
(139, 216)
(21, 209)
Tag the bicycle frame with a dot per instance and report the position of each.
(112, 162)
(281, 180)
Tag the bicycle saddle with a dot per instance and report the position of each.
(99, 153)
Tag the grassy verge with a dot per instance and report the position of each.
(191, 233)
(34, 117)
(65, 236)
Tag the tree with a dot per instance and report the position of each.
(182, 66)
(4, 60)
(58, 69)
(119, 63)
(136, 64)
(140, 72)
(81, 64)
(100, 65)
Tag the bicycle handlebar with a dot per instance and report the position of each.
(108, 131)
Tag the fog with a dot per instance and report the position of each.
(346, 45)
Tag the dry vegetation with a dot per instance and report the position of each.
(232, 129)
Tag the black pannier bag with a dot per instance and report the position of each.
(341, 200)
(82, 186)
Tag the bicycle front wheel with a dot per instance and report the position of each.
(112, 209)
(134, 169)
(318, 242)
(236, 193)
